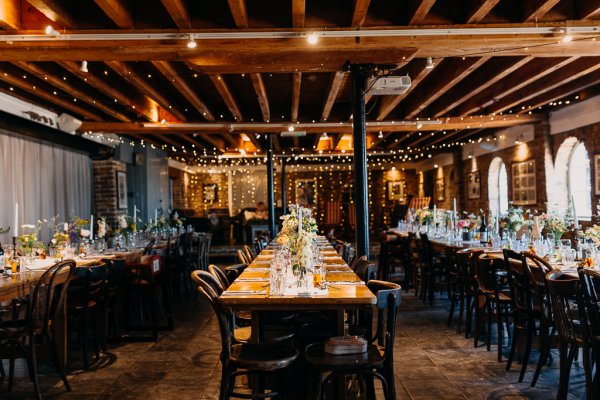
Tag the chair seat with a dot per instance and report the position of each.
(372, 358)
(243, 334)
(12, 328)
(79, 304)
(262, 356)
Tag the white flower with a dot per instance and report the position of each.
(84, 232)
(28, 226)
(122, 221)
(101, 229)
(53, 241)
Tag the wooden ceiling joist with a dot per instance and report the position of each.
(261, 94)
(10, 14)
(239, 12)
(361, 7)
(178, 11)
(167, 70)
(55, 11)
(227, 96)
(335, 82)
(418, 10)
(117, 12)
(128, 74)
(479, 9)
(296, 81)
(276, 145)
(298, 13)
(588, 9)
(536, 9)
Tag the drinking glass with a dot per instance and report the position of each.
(277, 280)
(566, 243)
(568, 256)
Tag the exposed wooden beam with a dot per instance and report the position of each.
(276, 145)
(378, 141)
(182, 86)
(223, 89)
(178, 12)
(128, 74)
(536, 9)
(481, 80)
(575, 70)
(66, 87)
(531, 72)
(26, 85)
(239, 12)
(296, 141)
(298, 13)
(261, 94)
(55, 11)
(296, 81)
(255, 141)
(449, 136)
(479, 9)
(588, 9)
(142, 106)
(360, 12)
(10, 14)
(454, 71)
(418, 10)
(117, 12)
(335, 82)
(417, 72)
(234, 128)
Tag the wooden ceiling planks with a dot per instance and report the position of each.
(335, 82)
(55, 11)
(10, 14)
(239, 12)
(179, 13)
(298, 13)
(227, 96)
(117, 12)
(296, 82)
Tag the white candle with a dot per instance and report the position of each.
(16, 227)
(434, 215)
(134, 213)
(454, 208)
(576, 222)
(156, 214)
(299, 219)
(92, 226)
(66, 226)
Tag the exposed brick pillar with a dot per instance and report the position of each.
(105, 189)
(541, 148)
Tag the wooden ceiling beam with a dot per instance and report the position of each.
(455, 69)
(239, 12)
(117, 12)
(61, 84)
(379, 141)
(588, 9)
(417, 72)
(261, 94)
(179, 13)
(361, 7)
(149, 90)
(10, 14)
(55, 11)
(143, 108)
(26, 85)
(221, 86)
(522, 77)
(536, 9)
(167, 70)
(575, 70)
(335, 82)
(418, 10)
(479, 9)
(480, 81)
(296, 81)
(336, 140)
(276, 145)
(298, 13)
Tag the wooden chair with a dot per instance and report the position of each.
(467, 287)
(242, 258)
(44, 307)
(233, 271)
(590, 300)
(220, 275)
(238, 359)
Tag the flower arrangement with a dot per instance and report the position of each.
(175, 220)
(101, 227)
(424, 215)
(513, 219)
(289, 229)
(593, 233)
(126, 225)
(78, 230)
(29, 240)
(556, 224)
(463, 223)
(304, 245)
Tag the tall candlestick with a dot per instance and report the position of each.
(575, 220)
(434, 215)
(92, 226)
(156, 215)
(134, 213)
(16, 227)
(66, 226)
(454, 207)
(299, 219)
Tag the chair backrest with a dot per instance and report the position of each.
(365, 269)
(213, 281)
(590, 300)
(536, 269)
(224, 317)
(388, 300)
(115, 273)
(48, 296)
(233, 271)
(465, 265)
(563, 291)
(425, 250)
(220, 275)
(356, 261)
(149, 247)
(518, 280)
(91, 285)
(486, 273)
(248, 253)
(242, 257)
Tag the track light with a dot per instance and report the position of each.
(83, 67)
(291, 128)
(429, 64)
(312, 38)
(380, 136)
(191, 44)
(51, 31)
(324, 136)
(567, 38)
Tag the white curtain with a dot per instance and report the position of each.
(45, 180)
(249, 187)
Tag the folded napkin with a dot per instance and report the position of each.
(338, 283)
(238, 292)
(252, 279)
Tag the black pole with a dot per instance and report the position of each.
(283, 188)
(361, 195)
(270, 186)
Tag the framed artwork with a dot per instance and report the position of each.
(439, 189)
(210, 193)
(523, 181)
(597, 172)
(473, 185)
(395, 190)
(121, 190)
(306, 192)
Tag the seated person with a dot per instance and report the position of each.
(261, 211)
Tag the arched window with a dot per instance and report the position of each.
(498, 186)
(580, 181)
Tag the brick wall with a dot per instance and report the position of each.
(105, 189)
(188, 190)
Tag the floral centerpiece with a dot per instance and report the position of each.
(424, 215)
(304, 246)
(175, 220)
(126, 225)
(593, 233)
(78, 230)
(101, 228)
(556, 224)
(291, 226)
(29, 241)
(513, 219)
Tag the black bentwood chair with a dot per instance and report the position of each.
(251, 358)
(590, 297)
(45, 306)
(377, 361)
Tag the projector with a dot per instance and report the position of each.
(388, 85)
(293, 133)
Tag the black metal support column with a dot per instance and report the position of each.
(270, 186)
(361, 194)
(283, 187)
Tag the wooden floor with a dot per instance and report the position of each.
(432, 362)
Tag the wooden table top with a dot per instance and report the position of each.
(345, 289)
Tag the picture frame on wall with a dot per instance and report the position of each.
(395, 190)
(473, 185)
(306, 192)
(597, 172)
(524, 183)
(440, 189)
(210, 193)
(121, 190)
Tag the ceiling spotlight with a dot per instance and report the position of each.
(419, 125)
(191, 44)
(435, 165)
(83, 67)
(380, 136)
(567, 38)
(51, 31)
(291, 128)
(429, 64)
(324, 136)
(312, 38)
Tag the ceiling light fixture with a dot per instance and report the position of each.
(83, 67)
(50, 31)
(291, 128)
(429, 64)
(312, 38)
(191, 44)
(568, 38)
(324, 136)
(380, 136)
